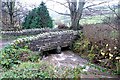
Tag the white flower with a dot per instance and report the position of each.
(106, 45)
(117, 58)
(115, 47)
(102, 53)
(109, 49)
(110, 55)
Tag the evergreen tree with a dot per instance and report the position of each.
(38, 18)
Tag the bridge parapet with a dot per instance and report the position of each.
(28, 32)
(48, 40)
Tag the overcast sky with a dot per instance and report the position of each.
(57, 6)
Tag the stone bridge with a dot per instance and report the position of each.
(48, 40)
(28, 32)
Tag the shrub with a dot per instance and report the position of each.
(62, 26)
(85, 48)
(82, 45)
(98, 52)
(91, 57)
(34, 57)
(41, 70)
(111, 19)
(118, 68)
(11, 55)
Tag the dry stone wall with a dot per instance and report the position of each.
(28, 32)
(48, 40)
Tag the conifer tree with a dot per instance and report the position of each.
(38, 18)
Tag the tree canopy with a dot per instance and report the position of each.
(38, 18)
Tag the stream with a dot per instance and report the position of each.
(70, 59)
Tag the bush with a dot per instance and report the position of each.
(34, 57)
(118, 68)
(98, 52)
(63, 26)
(11, 55)
(41, 70)
(85, 48)
(38, 18)
(91, 57)
(82, 45)
(112, 19)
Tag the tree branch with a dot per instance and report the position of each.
(95, 4)
(4, 23)
(68, 1)
(59, 12)
(113, 10)
(60, 3)
(5, 11)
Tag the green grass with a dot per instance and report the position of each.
(93, 19)
(41, 70)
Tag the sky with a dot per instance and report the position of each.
(49, 4)
(59, 8)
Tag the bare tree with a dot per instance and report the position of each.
(76, 8)
(14, 11)
(10, 10)
(0, 15)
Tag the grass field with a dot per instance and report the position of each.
(93, 19)
(88, 20)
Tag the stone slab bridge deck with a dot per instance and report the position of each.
(48, 40)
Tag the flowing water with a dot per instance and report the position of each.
(70, 59)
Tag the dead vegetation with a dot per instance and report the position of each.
(102, 33)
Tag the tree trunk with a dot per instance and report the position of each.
(0, 15)
(118, 26)
(74, 24)
(76, 13)
(11, 21)
(10, 6)
(11, 14)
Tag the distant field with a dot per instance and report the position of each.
(93, 19)
(88, 20)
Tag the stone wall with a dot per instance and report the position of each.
(28, 32)
(48, 40)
